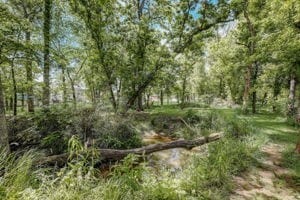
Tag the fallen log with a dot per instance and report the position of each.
(116, 154)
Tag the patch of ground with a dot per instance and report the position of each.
(264, 182)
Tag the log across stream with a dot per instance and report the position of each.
(118, 154)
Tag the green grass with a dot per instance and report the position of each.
(276, 128)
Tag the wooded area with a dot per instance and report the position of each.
(99, 79)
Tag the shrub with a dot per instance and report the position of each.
(49, 120)
(56, 142)
(238, 127)
(119, 136)
(192, 117)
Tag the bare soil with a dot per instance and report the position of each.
(265, 182)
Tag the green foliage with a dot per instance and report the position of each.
(56, 142)
(15, 175)
(120, 136)
(49, 120)
(129, 174)
(238, 127)
(192, 116)
(214, 172)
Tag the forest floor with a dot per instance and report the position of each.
(272, 178)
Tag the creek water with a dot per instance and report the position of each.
(171, 158)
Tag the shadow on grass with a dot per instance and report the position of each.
(275, 127)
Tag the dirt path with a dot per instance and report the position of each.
(263, 182)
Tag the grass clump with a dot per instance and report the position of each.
(211, 177)
(238, 127)
(15, 175)
(291, 160)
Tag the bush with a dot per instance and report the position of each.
(49, 120)
(120, 136)
(192, 117)
(84, 123)
(237, 127)
(56, 142)
(166, 124)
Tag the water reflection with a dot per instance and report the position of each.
(172, 158)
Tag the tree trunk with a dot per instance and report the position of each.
(276, 90)
(11, 103)
(112, 98)
(264, 100)
(6, 103)
(46, 74)
(247, 88)
(140, 102)
(74, 94)
(297, 119)
(15, 100)
(29, 77)
(64, 85)
(251, 48)
(161, 97)
(23, 101)
(114, 154)
(292, 97)
(3, 126)
(183, 95)
(254, 94)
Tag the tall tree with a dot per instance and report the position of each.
(28, 10)
(46, 31)
(3, 127)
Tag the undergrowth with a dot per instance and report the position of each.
(205, 177)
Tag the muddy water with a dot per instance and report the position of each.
(175, 158)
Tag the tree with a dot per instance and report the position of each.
(46, 32)
(283, 41)
(29, 10)
(4, 144)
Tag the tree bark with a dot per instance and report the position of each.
(247, 88)
(140, 102)
(112, 98)
(29, 77)
(183, 94)
(276, 90)
(64, 85)
(22, 101)
(3, 126)
(46, 74)
(254, 94)
(291, 111)
(114, 154)
(15, 100)
(161, 97)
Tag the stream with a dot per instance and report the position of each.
(173, 159)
